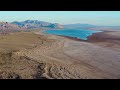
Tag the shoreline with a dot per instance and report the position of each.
(95, 37)
(78, 39)
(106, 39)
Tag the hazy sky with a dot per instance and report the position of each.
(111, 18)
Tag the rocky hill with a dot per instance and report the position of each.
(10, 26)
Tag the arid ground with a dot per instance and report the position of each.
(34, 55)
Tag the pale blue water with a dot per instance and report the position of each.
(78, 33)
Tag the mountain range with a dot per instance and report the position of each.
(36, 24)
(28, 24)
(32, 24)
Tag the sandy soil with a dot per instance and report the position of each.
(56, 57)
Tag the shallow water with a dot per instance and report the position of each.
(78, 33)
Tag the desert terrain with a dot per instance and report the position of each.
(34, 55)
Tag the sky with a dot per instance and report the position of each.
(105, 18)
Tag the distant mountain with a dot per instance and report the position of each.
(106, 28)
(78, 25)
(37, 24)
(92, 27)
